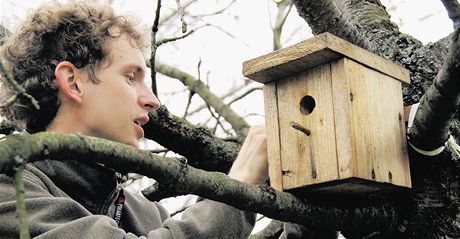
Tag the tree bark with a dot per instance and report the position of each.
(439, 103)
(198, 145)
(344, 214)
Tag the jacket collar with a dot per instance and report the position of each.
(90, 184)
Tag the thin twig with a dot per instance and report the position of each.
(244, 95)
(163, 41)
(181, 12)
(216, 12)
(187, 4)
(189, 101)
(222, 97)
(154, 48)
(9, 101)
(218, 120)
(21, 212)
(18, 88)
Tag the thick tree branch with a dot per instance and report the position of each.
(439, 103)
(199, 146)
(237, 122)
(184, 179)
(329, 16)
(453, 10)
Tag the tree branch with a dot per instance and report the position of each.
(439, 103)
(222, 97)
(21, 212)
(329, 16)
(453, 10)
(184, 179)
(238, 123)
(154, 47)
(199, 146)
(17, 88)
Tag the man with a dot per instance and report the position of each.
(84, 65)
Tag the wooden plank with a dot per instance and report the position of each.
(362, 122)
(273, 139)
(313, 52)
(377, 116)
(367, 58)
(306, 159)
(342, 115)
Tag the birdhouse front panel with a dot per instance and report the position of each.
(306, 119)
(334, 117)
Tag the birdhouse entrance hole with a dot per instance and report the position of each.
(307, 105)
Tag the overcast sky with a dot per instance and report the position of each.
(249, 22)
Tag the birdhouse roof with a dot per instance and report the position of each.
(313, 52)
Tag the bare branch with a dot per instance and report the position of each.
(238, 123)
(244, 95)
(181, 13)
(190, 95)
(279, 22)
(453, 10)
(216, 12)
(330, 16)
(184, 179)
(203, 149)
(18, 88)
(21, 212)
(166, 40)
(222, 97)
(439, 104)
(172, 14)
(154, 47)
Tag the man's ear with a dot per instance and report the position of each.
(66, 78)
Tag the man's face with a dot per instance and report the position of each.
(116, 107)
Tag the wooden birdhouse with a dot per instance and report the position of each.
(334, 117)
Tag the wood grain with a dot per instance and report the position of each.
(313, 52)
(273, 139)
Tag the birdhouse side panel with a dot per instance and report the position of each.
(306, 121)
(273, 138)
(378, 129)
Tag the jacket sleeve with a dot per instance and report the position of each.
(62, 217)
(210, 219)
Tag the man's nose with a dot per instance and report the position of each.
(148, 100)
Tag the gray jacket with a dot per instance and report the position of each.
(70, 199)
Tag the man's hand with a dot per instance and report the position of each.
(251, 165)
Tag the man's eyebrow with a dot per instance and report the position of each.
(137, 68)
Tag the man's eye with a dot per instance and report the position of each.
(130, 78)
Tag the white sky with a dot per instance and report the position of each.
(249, 22)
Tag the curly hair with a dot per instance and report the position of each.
(74, 32)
